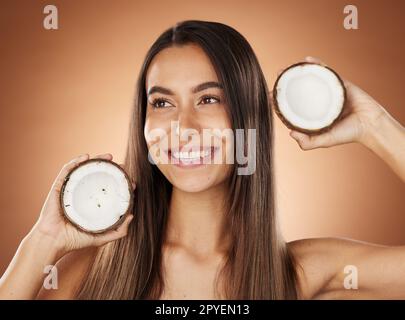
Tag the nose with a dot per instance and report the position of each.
(187, 123)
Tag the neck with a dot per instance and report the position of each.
(196, 220)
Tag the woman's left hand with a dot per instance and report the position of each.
(360, 118)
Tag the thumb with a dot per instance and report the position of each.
(308, 142)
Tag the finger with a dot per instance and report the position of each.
(271, 97)
(57, 185)
(349, 85)
(112, 235)
(352, 88)
(307, 142)
(132, 182)
(314, 60)
(352, 91)
(106, 156)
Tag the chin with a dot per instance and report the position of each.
(196, 180)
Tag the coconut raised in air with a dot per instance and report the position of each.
(96, 196)
(309, 97)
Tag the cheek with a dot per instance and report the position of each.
(222, 122)
(154, 130)
(148, 128)
(220, 119)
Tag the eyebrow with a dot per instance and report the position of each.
(200, 87)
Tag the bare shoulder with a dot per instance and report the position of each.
(321, 263)
(70, 272)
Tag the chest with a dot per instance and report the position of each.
(189, 278)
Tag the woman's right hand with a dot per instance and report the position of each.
(52, 225)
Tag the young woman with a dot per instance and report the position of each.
(205, 231)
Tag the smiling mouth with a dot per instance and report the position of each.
(191, 158)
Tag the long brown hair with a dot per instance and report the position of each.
(258, 264)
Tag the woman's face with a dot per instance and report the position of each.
(183, 89)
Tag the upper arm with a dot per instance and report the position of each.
(70, 271)
(331, 268)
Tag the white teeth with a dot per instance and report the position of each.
(191, 155)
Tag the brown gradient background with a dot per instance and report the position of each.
(70, 91)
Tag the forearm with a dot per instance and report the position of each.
(386, 138)
(25, 274)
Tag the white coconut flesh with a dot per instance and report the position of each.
(96, 195)
(310, 96)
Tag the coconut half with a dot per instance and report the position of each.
(96, 195)
(309, 97)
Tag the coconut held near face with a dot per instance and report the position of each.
(96, 196)
(309, 97)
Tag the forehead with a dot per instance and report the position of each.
(185, 65)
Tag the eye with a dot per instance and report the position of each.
(209, 100)
(159, 103)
